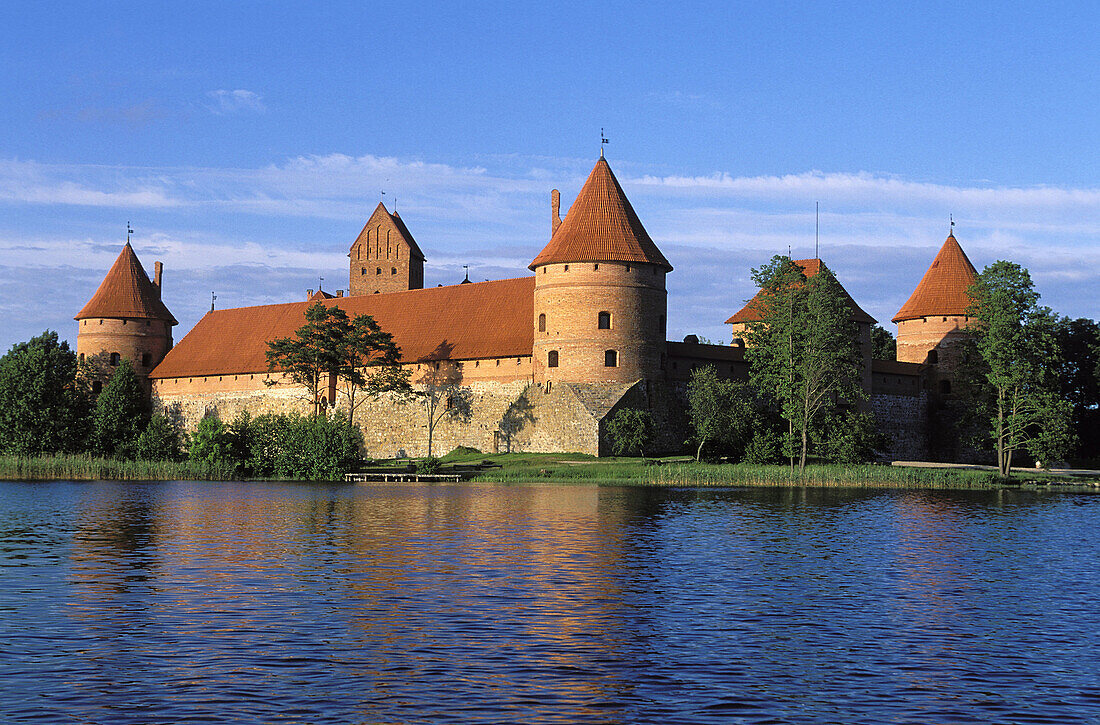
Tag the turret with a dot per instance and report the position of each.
(125, 320)
(600, 300)
(385, 257)
(934, 319)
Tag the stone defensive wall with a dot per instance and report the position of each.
(900, 406)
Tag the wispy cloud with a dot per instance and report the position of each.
(225, 103)
(279, 226)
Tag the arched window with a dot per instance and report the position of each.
(605, 321)
(552, 359)
(362, 270)
(378, 270)
(393, 270)
(358, 252)
(933, 357)
(81, 357)
(114, 358)
(542, 323)
(945, 387)
(610, 359)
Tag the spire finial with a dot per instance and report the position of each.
(212, 298)
(603, 140)
(320, 279)
(129, 232)
(951, 232)
(467, 268)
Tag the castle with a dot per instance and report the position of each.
(546, 358)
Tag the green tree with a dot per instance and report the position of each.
(369, 362)
(357, 352)
(121, 414)
(630, 430)
(160, 441)
(803, 349)
(443, 395)
(1016, 346)
(721, 411)
(1078, 375)
(43, 408)
(883, 344)
(210, 444)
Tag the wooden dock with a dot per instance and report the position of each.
(402, 477)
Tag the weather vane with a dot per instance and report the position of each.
(129, 232)
(603, 140)
(320, 279)
(212, 298)
(467, 268)
(952, 218)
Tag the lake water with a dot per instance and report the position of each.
(278, 602)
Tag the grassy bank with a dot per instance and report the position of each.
(679, 471)
(87, 468)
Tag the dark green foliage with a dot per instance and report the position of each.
(121, 414)
(42, 408)
(883, 344)
(630, 430)
(429, 465)
(803, 351)
(209, 443)
(847, 437)
(160, 441)
(1078, 377)
(765, 447)
(292, 446)
(721, 413)
(1011, 377)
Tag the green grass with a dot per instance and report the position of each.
(88, 468)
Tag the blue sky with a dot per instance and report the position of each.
(247, 143)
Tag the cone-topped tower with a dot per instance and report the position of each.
(934, 317)
(600, 300)
(125, 319)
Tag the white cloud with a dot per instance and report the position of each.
(225, 103)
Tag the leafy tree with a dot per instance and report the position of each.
(121, 414)
(630, 430)
(1078, 375)
(369, 362)
(160, 441)
(848, 437)
(210, 443)
(331, 344)
(721, 411)
(43, 409)
(1017, 352)
(883, 344)
(804, 348)
(442, 395)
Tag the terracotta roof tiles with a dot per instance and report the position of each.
(126, 292)
(942, 290)
(601, 226)
(751, 311)
(462, 322)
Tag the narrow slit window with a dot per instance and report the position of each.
(610, 359)
(542, 322)
(604, 321)
(552, 359)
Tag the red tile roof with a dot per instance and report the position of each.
(751, 311)
(942, 290)
(126, 292)
(320, 295)
(601, 226)
(462, 322)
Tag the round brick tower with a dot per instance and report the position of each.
(600, 299)
(934, 318)
(125, 320)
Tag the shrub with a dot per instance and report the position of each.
(429, 465)
(630, 430)
(160, 441)
(209, 443)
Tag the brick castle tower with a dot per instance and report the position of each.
(125, 319)
(385, 257)
(934, 318)
(600, 299)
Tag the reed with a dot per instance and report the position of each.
(89, 468)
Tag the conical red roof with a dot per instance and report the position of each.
(942, 290)
(601, 226)
(126, 292)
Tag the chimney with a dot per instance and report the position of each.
(309, 293)
(158, 270)
(555, 212)
(339, 293)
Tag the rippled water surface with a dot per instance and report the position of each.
(269, 602)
